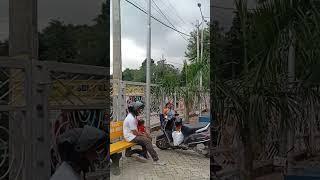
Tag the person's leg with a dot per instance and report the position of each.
(146, 142)
(144, 152)
(130, 152)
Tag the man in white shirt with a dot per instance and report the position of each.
(131, 134)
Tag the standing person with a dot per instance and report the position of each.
(131, 133)
(78, 148)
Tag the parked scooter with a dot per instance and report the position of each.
(194, 135)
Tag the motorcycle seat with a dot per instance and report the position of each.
(188, 129)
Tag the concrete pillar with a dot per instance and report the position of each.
(117, 61)
(34, 138)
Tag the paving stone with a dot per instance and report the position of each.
(184, 165)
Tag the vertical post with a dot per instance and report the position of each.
(41, 166)
(198, 44)
(201, 54)
(117, 60)
(23, 39)
(23, 36)
(198, 50)
(201, 60)
(20, 36)
(148, 78)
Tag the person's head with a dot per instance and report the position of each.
(168, 105)
(141, 122)
(136, 108)
(81, 146)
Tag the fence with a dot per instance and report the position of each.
(39, 101)
(133, 91)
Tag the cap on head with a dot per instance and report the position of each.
(82, 138)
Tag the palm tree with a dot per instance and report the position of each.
(263, 97)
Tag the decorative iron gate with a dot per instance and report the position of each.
(63, 95)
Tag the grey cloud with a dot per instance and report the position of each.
(70, 11)
(134, 25)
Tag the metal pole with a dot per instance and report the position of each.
(201, 55)
(198, 48)
(148, 79)
(198, 44)
(201, 60)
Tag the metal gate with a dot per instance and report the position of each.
(40, 100)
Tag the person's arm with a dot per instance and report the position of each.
(134, 129)
(137, 133)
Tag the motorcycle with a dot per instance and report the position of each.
(194, 136)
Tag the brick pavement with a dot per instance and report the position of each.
(184, 165)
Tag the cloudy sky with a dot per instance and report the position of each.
(181, 13)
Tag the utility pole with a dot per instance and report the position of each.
(201, 58)
(198, 44)
(201, 51)
(148, 78)
(201, 55)
(198, 48)
(117, 60)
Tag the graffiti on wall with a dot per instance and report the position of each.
(69, 119)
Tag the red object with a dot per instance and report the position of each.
(141, 128)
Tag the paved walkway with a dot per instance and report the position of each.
(181, 165)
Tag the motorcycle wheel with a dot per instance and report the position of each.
(162, 144)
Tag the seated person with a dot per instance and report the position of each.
(165, 110)
(168, 111)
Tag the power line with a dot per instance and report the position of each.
(171, 9)
(155, 9)
(176, 12)
(162, 13)
(157, 19)
(167, 18)
(139, 5)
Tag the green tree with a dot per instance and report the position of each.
(80, 44)
(262, 93)
(56, 43)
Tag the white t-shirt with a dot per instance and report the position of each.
(65, 172)
(129, 124)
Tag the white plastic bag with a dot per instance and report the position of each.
(177, 137)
